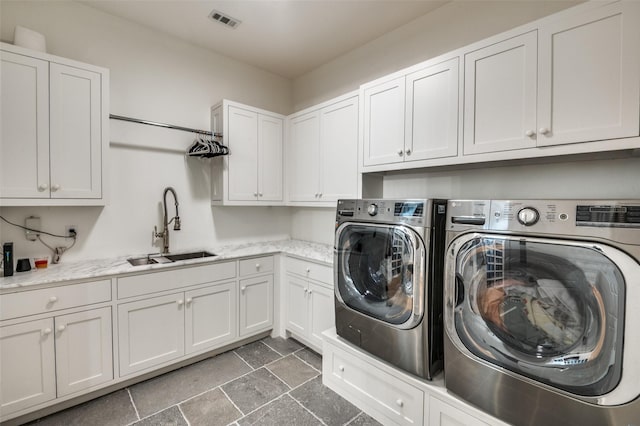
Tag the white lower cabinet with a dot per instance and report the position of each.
(211, 317)
(150, 332)
(309, 301)
(28, 365)
(84, 355)
(54, 357)
(160, 329)
(256, 295)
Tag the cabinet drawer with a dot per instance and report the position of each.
(15, 305)
(393, 399)
(173, 279)
(256, 265)
(310, 270)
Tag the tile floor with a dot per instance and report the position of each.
(268, 382)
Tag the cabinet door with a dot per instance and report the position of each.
(321, 312)
(256, 305)
(150, 332)
(28, 365)
(304, 155)
(242, 139)
(211, 317)
(500, 96)
(297, 305)
(339, 151)
(76, 132)
(589, 75)
(443, 414)
(84, 355)
(432, 112)
(24, 142)
(270, 163)
(384, 123)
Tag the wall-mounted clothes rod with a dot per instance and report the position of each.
(168, 126)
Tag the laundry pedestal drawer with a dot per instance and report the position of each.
(374, 391)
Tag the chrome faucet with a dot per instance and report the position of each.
(176, 220)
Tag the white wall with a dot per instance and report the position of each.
(157, 78)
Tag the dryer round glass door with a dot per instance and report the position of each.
(380, 272)
(549, 310)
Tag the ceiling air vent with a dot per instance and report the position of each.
(224, 19)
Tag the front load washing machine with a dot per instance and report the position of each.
(388, 280)
(541, 313)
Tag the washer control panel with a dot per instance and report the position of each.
(414, 212)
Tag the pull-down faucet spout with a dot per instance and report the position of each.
(165, 222)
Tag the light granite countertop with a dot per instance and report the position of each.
(99, 268)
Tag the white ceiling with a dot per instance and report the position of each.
(286, 37)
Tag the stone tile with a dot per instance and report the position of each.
(364, 420)
(255, 389)
(330, 407)
(282, 346)
(310, 357)
(169, 389)
(116, 405)
(169, 417)
(211, 409)
(292, 370)
(257, 354)
(283, 411)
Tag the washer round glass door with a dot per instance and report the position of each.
(550, 310)
(380, 272)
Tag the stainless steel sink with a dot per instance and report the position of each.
(137, 261)
(187, 256)
(168, 258)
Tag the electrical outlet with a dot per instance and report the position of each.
(32, 222)
(71, 230)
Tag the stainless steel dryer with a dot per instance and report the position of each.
(541, 311)
(388, 280)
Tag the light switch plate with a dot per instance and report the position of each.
(32, 222)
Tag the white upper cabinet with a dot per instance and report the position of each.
(383, 122)
(431, 121)
(413, 116)
(574, 79)
(252, 172)
(589, 75)
(54, 130)
(322, 153)
(303, 156)
(500, 96)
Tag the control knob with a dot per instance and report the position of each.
(528, 216)
(372, 209)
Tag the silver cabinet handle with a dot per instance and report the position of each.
(189, 300)
(400, 152)
(400, 403)
(543, 130)
(53, 299)
(43, 187)
(55, 187)
(341, 367)
(62, 327)
(408, 151)
(46, 331)
(530, 133)
(180, 302)
(242, 289)
(257, 266)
